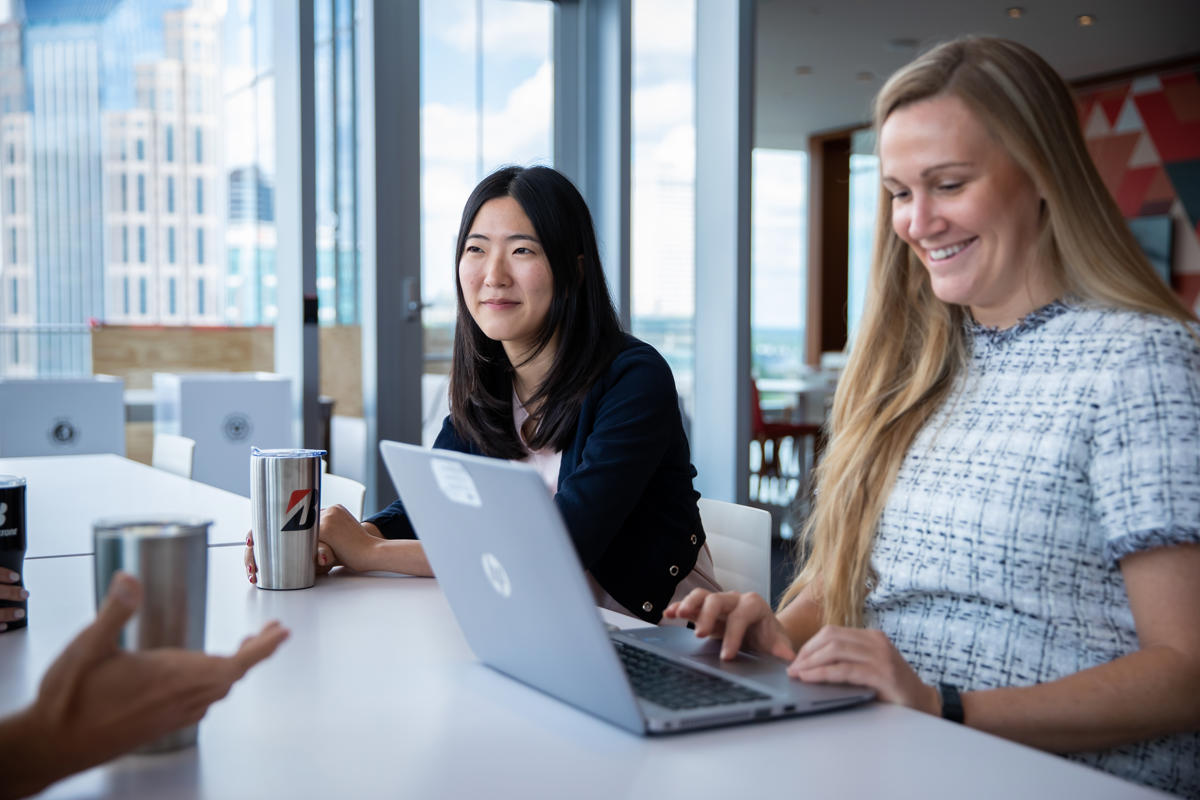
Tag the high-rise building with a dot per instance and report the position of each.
(250, 282)
(165, 200)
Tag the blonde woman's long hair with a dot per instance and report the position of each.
(911, 347)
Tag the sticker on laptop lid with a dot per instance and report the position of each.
(455, 483)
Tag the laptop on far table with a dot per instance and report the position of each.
(508, 568)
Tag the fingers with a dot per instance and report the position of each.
(688, 607)
(325, 557)
(99, 639)
(257, 647)
(123, 598)
(710, 620)
(833, 644)
(15, 593)
(248, 559)
(8, 576)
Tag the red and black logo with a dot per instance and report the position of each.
(304, 503)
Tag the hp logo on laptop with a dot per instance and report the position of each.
(496, 575)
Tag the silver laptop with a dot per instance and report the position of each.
(509, 570)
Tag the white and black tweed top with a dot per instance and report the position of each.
(1071, 441)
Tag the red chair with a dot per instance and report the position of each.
(770, 436)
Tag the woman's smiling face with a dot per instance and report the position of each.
(966, 208)
(506, 280)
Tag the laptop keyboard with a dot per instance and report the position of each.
(673, 686)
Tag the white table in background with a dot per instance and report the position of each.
(66, 494)
(377, 695)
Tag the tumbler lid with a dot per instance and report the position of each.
(11, 481)
(151, 526)
(260, 453)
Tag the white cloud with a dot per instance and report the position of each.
(520, 132)
(664, 26)
(658, 107)
(509, 28)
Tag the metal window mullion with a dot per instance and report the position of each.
(295, 208)
(592, 120)
(724, 130)
(390, 207)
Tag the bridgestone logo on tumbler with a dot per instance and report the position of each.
(304, 503)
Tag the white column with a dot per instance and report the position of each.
(724, 135)
(390, 213)
(592, 122)
(296, 213)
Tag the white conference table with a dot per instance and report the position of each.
(66, 494)
(377, 695)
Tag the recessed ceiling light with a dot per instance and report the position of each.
(1015, 12)
(804, 69)
(865, 76)
(1086, 20)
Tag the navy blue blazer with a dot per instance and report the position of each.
(624, 486)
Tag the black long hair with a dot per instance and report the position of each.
(581, 313)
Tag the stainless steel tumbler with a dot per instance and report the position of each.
(285, 499)
(170, 558)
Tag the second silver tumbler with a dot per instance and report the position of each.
(170, 558)
(285, 501)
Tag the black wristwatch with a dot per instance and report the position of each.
(952, 707)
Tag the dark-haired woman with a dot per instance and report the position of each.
(542, 373)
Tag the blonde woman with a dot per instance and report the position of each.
(1007, 518)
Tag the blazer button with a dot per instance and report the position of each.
(674, 570)
(647, 606)
(694, 539)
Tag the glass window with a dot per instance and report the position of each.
(200, 245)
(200, 296)
(487, 99)
(13, 298)
(125, 294)
(171, 296)
(199, 195)
(779, 278)
(864, 204)
(12, 195)
(104, 81)
(662, 264)
(12, 246)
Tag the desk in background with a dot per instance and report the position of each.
(66, 494)
(377, 695)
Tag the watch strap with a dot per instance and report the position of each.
(952, 707)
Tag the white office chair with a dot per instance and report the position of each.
(173, 453)
(739, 538)
(336, 490)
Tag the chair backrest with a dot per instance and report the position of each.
(336, 490)
(173, 453)
(739, 538)
(62, 416)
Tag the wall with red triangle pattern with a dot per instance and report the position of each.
(1144, 135)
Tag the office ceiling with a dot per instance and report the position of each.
(840, 40)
